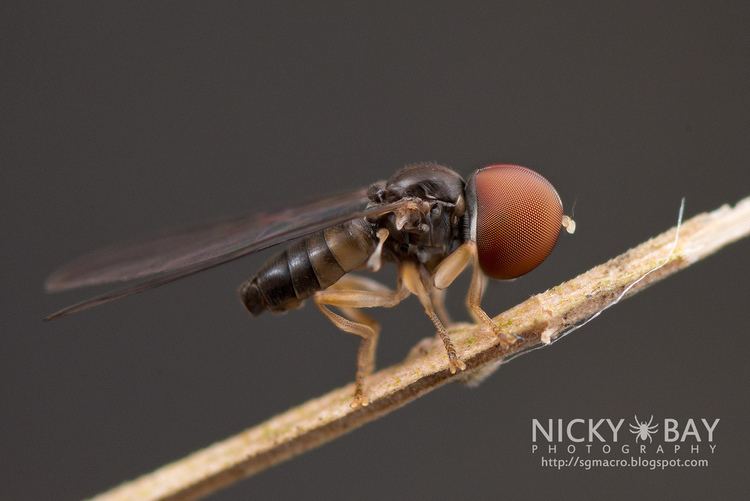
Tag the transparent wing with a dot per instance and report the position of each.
(171, 256)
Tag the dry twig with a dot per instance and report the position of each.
(537, 321)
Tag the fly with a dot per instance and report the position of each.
(503, 222)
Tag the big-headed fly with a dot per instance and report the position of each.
(504, 221)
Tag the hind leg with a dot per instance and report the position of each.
(349, 295)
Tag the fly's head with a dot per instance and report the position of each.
(515, 219)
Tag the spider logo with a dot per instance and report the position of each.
(643, 430)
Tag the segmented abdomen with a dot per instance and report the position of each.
(307, 266)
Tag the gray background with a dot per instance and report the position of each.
(117, 120)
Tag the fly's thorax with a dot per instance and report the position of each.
(425, 181)
(425, 237)
(431, 227)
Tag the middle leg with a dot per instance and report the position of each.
(419, 284)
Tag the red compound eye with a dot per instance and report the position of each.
(518, 220)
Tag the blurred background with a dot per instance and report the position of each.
(118, 120)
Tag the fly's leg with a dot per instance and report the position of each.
(437, 296)
(474, 303)
(452, 266)
(366, 328)
(438, 301)
(417, 283)
(348, 295)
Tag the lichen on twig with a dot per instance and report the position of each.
(540, 320)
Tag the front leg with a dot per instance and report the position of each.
(451, 267)
(474, 303)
